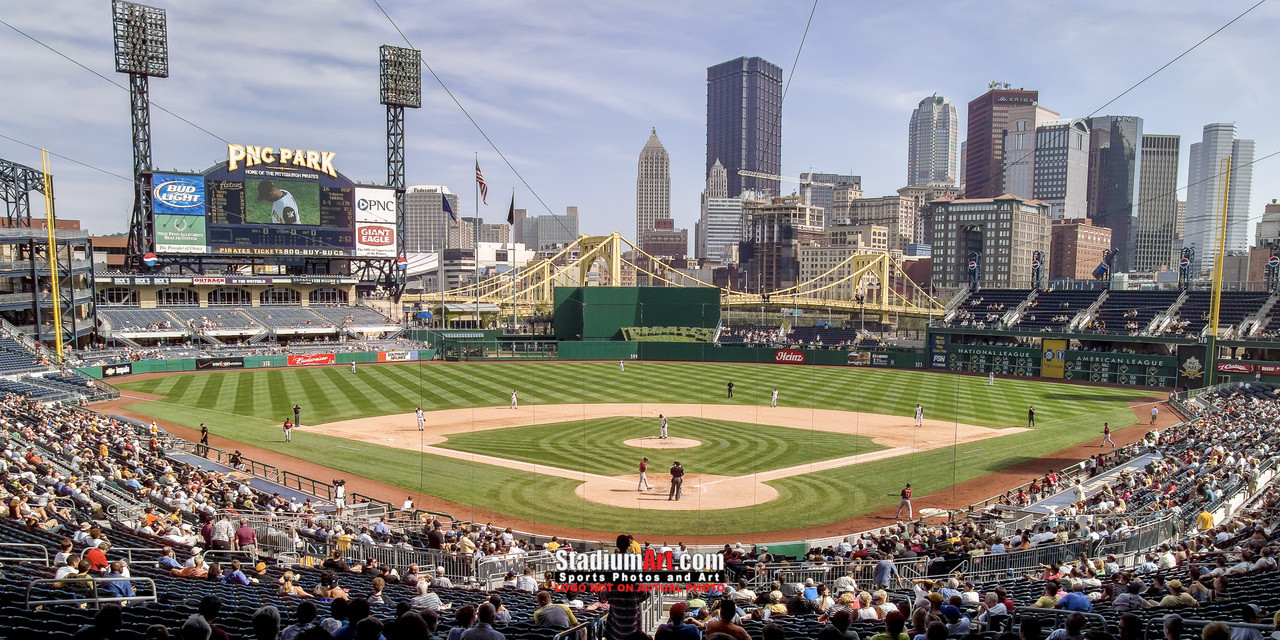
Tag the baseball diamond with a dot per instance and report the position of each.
(566, 456)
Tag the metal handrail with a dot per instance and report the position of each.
(93, 586)
(25, 545)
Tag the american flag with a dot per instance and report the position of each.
(484, 188)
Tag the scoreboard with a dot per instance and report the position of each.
(259, 204)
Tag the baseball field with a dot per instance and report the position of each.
(840, 443)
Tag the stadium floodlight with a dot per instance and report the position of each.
(141, 39)
(401, 77)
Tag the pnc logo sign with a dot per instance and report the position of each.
(369, 204)
(376, 236)
(789, 356)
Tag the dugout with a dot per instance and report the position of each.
(600, 313)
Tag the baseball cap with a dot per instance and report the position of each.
(678, 610)
(950, 610)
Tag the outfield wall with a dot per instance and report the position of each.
(100, 372)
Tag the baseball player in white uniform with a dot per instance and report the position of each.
(991, 379)
(284, 208)
(919, 415)
(773, 400)
(662, 429)
(422, 422)
(513, 399)
(622, 365)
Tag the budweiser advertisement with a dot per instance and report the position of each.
(788, 356)
(1235, 367)
(308, 359)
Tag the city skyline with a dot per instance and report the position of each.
(573, 133)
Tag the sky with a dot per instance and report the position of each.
(568, 91)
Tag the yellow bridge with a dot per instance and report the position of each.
(599, 260)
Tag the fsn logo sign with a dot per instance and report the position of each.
(179, 194)
(789, 356)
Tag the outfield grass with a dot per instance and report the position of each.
(727, 449)
(248, 406)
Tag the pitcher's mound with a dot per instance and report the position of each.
(654, 442)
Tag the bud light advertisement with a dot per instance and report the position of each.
(177, 195)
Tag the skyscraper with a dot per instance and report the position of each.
(932, 141)
(1115, 170)
(1205, 194)
(817, 194)
(1156, 238)
(720, 229)
(1061, 173)
(653, 187)
(984, 149)
(744, 121)
(426, 223)
(1020, 147)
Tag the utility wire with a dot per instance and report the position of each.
(72, 160)
(90, 70)
(801, 48)
(1193, 47)
(475, 124)
(1179, 57)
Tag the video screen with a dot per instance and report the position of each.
(285, 202)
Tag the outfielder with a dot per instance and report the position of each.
(514, 398)
(353, 366)
(662, 429)
(919, 415)
(773, 400)
(622, 365)
(644, 478)
(991, 379)
(422, 422)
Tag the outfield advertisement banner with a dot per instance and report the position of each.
(219, 363)
(309, 359)
(113, 370)
(1269, 369)
(395, 356)
(1235, 367)
(938, 345)
(788, 356)
(1053, 359)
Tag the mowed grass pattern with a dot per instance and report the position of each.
(248, 406)
(727, 449)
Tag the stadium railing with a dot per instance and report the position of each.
(44, 552)
(129, 551)
(94, 598)
(1065, 474)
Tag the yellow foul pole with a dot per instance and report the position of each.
(53, 258)
(1219, 254)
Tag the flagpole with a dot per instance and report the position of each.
(475, 241)
(440, 249)
(515, 280)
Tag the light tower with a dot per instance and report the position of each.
(142, 51)
(401, 87)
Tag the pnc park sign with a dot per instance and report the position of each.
(251, 156)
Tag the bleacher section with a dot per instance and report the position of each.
(822, 335)
(1193, 315)
(988, 306)
(1054, 310)
(248, 320)
(15, 357)
(1131, 311)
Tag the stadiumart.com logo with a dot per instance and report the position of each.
(648, 571)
